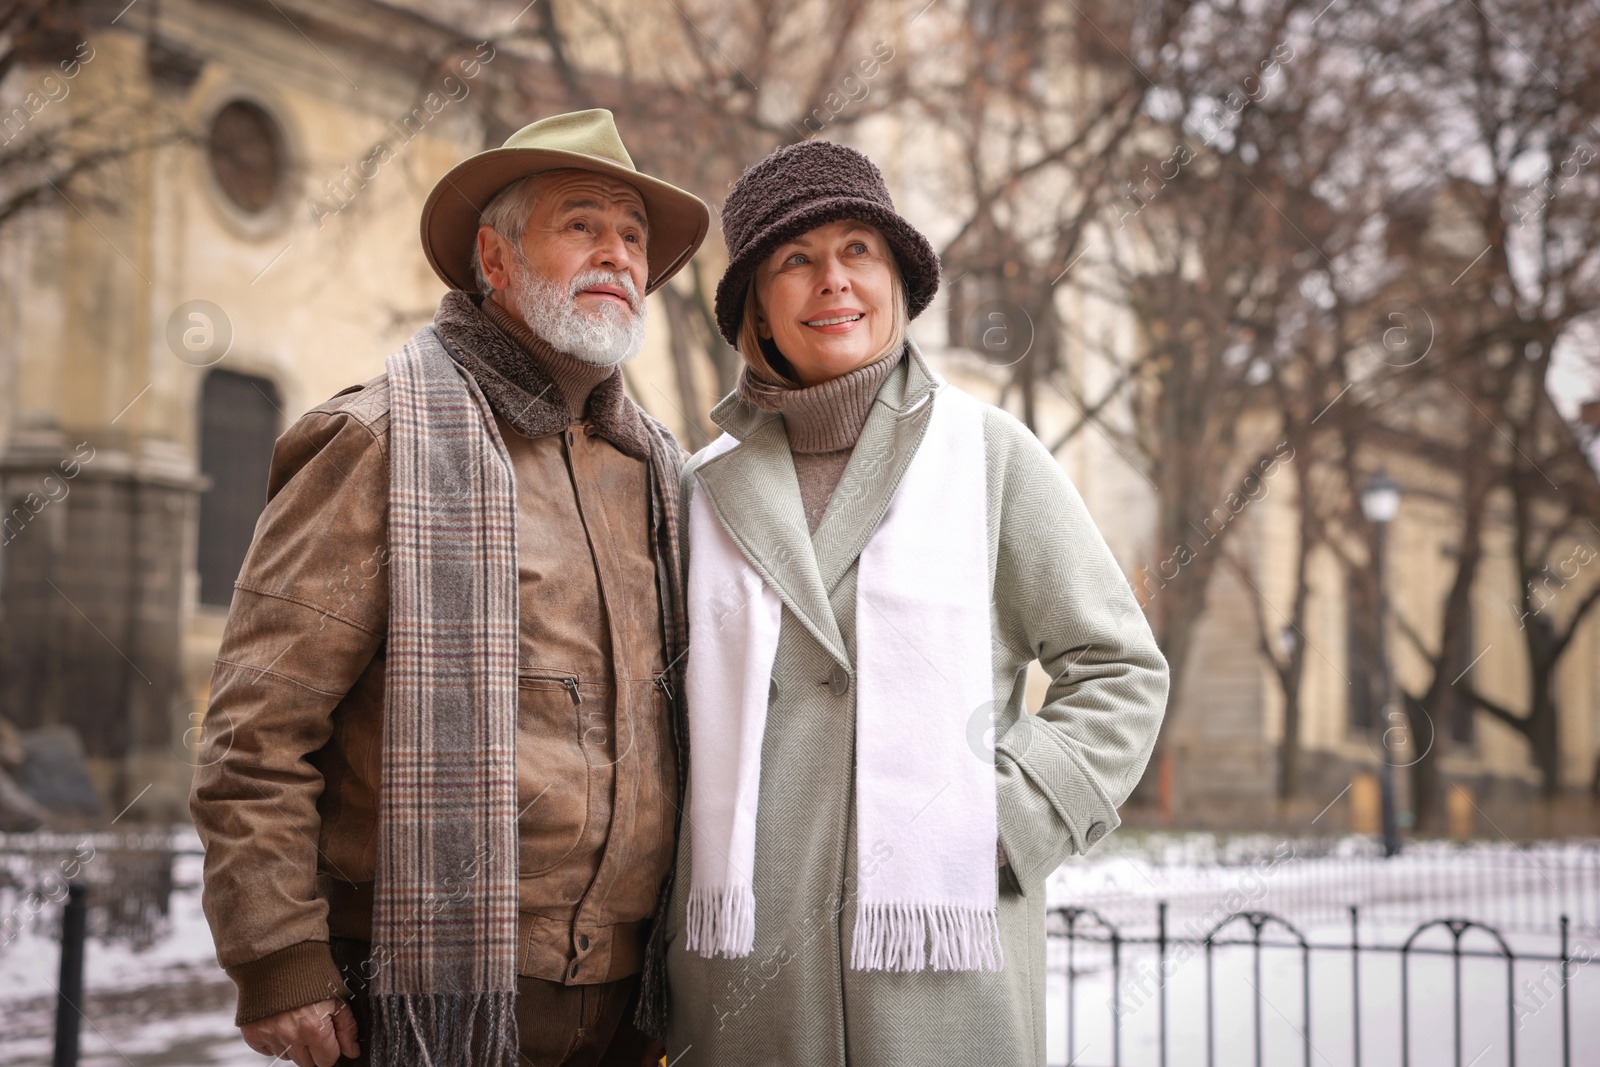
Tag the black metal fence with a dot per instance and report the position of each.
(131, 873)
(1077, 931)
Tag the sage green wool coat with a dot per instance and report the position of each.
(1060, 598)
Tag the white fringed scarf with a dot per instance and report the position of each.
(925, 796)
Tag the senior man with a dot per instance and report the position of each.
(439, 787)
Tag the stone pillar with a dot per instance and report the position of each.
(97, 486)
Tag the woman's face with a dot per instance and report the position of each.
(827, 299)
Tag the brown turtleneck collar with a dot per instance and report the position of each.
(519, 376)
(826, 417)
(573, 377)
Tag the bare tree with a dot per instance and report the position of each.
(49, 150)
(1358, 218)
(1505, 91)
(1224, 242)
(1554, 503)
(1036, 102)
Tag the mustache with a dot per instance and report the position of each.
(623, 281)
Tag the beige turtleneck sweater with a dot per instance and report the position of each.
(823, 422)
(575, 378)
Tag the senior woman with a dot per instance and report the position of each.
(874, 560)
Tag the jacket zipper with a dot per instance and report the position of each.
(660, 681)
(572, 690)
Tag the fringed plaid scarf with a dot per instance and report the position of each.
(445, 923)
(444, 929)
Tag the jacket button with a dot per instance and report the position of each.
(839, 681)
(583, 942)
(772, 690)
(1096, 832)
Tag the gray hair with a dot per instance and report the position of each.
(507, 212)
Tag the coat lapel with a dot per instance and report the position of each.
(755, 495)
(889, 439)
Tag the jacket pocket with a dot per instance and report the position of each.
(552, 769)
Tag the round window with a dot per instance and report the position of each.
(246, 150)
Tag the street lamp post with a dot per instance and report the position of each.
(1380, 502)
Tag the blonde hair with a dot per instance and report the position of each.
(768, 365)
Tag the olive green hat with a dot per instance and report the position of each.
(580, 140)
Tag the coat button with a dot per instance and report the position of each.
(772, 690)
(583, 942)
(1096, 832)
(839, 681)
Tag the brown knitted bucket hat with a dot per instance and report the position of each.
(796, 189)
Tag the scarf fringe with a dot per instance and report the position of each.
(893, 935)
(655, 1000)
(721, 920)
(650, 1014)
(438, 1029)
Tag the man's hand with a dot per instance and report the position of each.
(316, 1034)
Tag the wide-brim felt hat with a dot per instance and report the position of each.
(796, 189)
(580, 140)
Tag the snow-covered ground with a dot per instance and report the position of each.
(1511, 887)
(166, 1003)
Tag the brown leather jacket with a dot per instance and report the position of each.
(286, 796)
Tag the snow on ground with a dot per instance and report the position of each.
(1511, 887)
(167, 1003)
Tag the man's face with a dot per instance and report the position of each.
(577, 277)
(584, 222)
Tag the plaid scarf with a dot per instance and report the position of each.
(444, 928)
(446, 894)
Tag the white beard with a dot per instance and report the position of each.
(604, 337)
